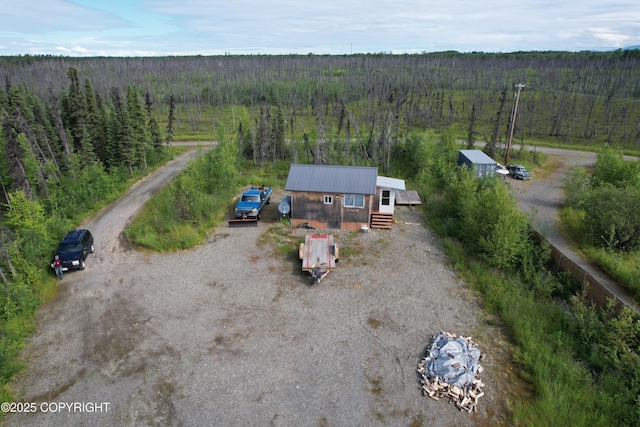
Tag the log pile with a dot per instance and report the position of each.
(437, 387)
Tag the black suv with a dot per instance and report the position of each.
(519, 172)
(74, 249)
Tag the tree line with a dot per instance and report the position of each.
(69, 151)
(577, 98)
(46, 139)
(61, 157)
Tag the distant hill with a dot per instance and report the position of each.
(631, 47)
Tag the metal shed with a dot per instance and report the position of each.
(477, 161)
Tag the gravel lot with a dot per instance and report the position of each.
(230, 333)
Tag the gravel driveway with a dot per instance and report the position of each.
(230, 333)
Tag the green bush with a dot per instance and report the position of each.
(483, 215)
(576, 183)
(180, 215)
(611, 168)
(611, 217)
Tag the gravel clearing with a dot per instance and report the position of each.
(230, 333)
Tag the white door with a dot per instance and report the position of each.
(386, 200)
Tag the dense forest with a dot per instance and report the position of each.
(577, 98)
(75, 131)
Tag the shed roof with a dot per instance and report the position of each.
(332, 179)
(387, 182)
(478, 156)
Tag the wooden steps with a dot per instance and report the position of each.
(381, 220)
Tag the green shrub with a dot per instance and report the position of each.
(576, 183)
(611, 217)
(181, 214)
(612, 169)
(483, 215)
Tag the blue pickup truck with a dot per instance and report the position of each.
(252, 201)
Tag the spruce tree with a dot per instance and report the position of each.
(172, 118)
(95, 128)
(74, 110)
(140, 139)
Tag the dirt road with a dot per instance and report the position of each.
(230, 333)
(543, 197)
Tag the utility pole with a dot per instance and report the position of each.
(513, 124)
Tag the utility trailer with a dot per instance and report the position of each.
(319, 255)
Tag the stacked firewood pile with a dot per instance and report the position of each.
(449, 371)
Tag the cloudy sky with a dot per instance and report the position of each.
(214, 27)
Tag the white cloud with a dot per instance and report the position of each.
(43, 16)
(158, 27)
(610, 37)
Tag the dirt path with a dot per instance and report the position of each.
(543, 197)
(232, 334)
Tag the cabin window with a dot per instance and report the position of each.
(328, 200)
(354, 200)
(386, 197)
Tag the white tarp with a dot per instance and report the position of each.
(452, 360)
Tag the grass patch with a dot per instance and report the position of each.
(571, 225)
(564, 393)
(352, 247)
(285, 244)
(623, 267)
(183, 213)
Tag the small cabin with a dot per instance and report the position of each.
(480, 163)
(341, 197)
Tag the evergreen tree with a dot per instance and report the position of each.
(30, 165)
(117, 131)
(471, 134)
(171, 119)
(62, 136)
(277, 136)
(156, 138)
(5, 177)
(75, 110)
(154, 128)
(14, 154)
(139, 141)
(264, 135)
(95, 130)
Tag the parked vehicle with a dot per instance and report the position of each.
(252, 202)
(74, 249)
(519, 172)
(502, 170)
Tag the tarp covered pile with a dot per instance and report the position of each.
(450, 369)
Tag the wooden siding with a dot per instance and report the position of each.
(310, 207)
